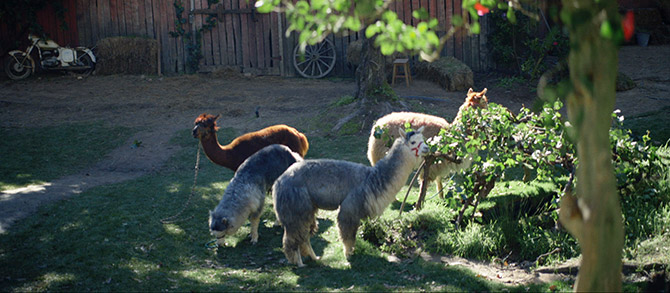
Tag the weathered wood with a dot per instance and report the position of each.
(243, 38)
(141, 24)
(149, 19)
(407, 11)
(221, 34)
(275, 37)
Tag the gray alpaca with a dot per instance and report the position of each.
(359, 191)
(245, 195)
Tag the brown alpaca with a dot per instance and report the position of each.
(233, 155)
(473, 99)
(432, 126)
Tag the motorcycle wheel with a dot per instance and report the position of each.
(17, 70)
(83, 60)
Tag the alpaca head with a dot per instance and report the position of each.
(220, 225)
(414, 142)
(205, 124)
(476, 99)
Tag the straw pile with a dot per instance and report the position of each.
(127, 55)
(448, 72)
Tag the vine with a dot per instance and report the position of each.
(192, 39)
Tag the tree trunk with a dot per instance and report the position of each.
(595, 217)
(373, 93)
(371, 73)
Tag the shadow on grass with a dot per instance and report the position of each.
(110, 238)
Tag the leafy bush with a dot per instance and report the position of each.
(516, 45)
(519, 217)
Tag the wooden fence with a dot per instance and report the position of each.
(243, 39)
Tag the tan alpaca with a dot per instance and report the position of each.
(432, 125)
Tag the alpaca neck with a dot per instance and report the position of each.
(217, 153)
(392, 172)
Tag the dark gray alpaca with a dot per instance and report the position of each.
(359, 191)
(245, 195)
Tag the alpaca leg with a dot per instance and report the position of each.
(306, 250)
(438, 184)
(291, 250)
(294, 257)
(348, 226)
(255, 221)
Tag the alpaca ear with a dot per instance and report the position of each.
(401, 132)
(420, 130)
(483, 92)
(470, 91)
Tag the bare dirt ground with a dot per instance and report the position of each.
(163, 106)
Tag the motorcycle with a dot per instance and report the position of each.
(78, 61)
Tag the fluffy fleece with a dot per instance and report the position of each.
(432, 126)
(245, 195)
(237, 151)
(359, 191)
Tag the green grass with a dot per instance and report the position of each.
(110, 238)
(37, 155)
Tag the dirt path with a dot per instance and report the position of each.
(161, 107)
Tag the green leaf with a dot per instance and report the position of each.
(318, 4)
(606, 30)
(352, 23)
(389, 16)
(433, 23)
(264, 6)
(373, 30)
(475, 28)
(511, 16)
(457, 20)
(387, 48)
(420, 13)
(422, 27)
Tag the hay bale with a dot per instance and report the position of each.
(127, 55)
(448, 72)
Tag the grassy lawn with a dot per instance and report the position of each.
(37, 155)
(110, 237)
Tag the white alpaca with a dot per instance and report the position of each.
(359, 191)
(432, 126)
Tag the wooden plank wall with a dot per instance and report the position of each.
(472, 50)
(99, 19)
(253, 44)
(238, 40)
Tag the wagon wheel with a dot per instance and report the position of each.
(317, 60)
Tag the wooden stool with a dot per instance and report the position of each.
(404, 63)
